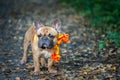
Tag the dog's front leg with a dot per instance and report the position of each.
(36, 64)
(43, 62)
(50, 66)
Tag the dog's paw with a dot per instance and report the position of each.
(23, 61)
(37, 72)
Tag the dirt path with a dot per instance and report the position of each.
(80, 57)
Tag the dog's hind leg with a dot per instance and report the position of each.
(25, 47)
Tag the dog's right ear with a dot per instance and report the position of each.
(37, 24)
(57, 25)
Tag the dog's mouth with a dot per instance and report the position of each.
(46, 45)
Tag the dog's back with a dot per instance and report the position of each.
(29, 34)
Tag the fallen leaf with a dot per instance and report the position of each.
(17, 78)
(85, 72)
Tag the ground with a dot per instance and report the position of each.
(81, 59)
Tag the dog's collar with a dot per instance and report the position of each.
(60, 38)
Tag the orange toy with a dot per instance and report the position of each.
(61, 38)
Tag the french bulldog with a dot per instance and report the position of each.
(42, 39)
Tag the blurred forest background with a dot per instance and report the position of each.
(102, 15)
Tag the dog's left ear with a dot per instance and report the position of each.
(57, 25)
(37, 24)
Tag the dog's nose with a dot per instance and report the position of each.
(44, 45)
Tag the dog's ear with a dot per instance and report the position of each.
(57, 25)
(37, 24)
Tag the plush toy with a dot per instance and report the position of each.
(61, 38)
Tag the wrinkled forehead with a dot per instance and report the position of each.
(46, 31)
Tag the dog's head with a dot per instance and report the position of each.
(46, 35)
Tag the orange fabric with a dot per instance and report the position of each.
(61, 38)
(55, 57)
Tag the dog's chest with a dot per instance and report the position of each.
(46, 53)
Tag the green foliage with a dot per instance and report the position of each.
(101, 44)
(99, 12)
(103, 15)
(114, 37)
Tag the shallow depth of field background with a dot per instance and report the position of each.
(93, 52)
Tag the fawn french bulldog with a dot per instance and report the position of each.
(42, 39)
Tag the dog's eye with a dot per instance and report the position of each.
(51, 36)
(39, 35)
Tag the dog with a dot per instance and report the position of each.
(42, 39)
